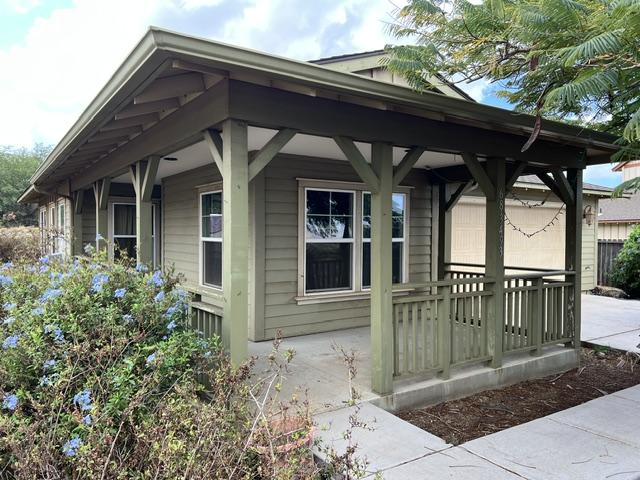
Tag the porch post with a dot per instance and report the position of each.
(143, 175)
(101, 194)
(78, 205)
(573, 254)
(381, 271)
(235, 247)
(444, 230)
(494, 258)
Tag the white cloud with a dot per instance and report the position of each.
(477, 90)
(20, 6)
(196, 4)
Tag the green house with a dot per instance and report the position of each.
(301, 197)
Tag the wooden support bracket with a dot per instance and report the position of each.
(143, 177)
(78, 202)
(214, 142)
(551, 184)
(563, 186)
(406, 164)
(101, 192)
(358, 162)
(457, 195)
(520, 166)
(270, 150)
(479, 174)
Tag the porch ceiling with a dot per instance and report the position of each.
(173, 86)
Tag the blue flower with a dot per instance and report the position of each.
(98, 281)
(171, 325)
(10, 342)
(99, 237)
(120, 292)
(45, 260)
(87, 420)
(46, 381)
(37, 311)
(88, 249)
(49, 294)
(9, 320)
(159, 297)
(7, 265)
(44, 268)
(9, 306)
(83, 400)
(171, 311)
(5, 280)
(142, 268)
(151, 358)
(49, 364)
(156, 279)
(127, 317)
(31, 269)
(58, 334)
(70, 449)
(10, 402)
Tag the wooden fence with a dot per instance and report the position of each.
(607, 253)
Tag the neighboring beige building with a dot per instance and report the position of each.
(545, 249)
(617, 217)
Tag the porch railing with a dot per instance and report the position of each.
(445, 324)
(206, 319)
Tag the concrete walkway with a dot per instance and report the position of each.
(610, 322)
(596, 440)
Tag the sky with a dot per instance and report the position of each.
(56, 55)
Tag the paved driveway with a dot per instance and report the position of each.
(611, 322)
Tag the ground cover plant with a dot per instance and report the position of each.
(100, 377)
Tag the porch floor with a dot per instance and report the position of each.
(319, 370)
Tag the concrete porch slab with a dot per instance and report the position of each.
(611, 322)
(385, 442)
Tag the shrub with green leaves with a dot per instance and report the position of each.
(626, 268)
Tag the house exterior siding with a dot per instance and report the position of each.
(274, 305)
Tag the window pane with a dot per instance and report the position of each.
(212, 215)
(124, 220)
(328, 266)
(124, 246)
(397, 218)
(212, 263)
(341, 203)
(396, 263)
(318, 202)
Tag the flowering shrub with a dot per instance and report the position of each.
(99, 378)
(626, 268)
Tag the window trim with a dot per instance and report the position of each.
(357, 292)
(351, 241)
(208, 190)
(60, 244)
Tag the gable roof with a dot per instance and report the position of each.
(620, 209)
(587, 188)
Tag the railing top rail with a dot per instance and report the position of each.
(448, 283)
(550, 273)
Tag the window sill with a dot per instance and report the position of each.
(209, 292)
(312, 299)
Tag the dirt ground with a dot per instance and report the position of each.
(488, 412)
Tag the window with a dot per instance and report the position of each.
(335, 238)
(43, 229)
(61, 231)
(211, 238)
(51, 232)
(329, 240)
(124, 230)
(398, 208)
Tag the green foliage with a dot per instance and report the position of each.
(562, 59)
(16, 167)
(99, 379)
(626, 269)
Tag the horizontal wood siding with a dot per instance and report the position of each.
(89, 219)
(282, 311)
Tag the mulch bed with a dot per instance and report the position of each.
(488, 412)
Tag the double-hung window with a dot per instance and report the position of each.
(336, 237)
(211, 239)
(124, 230)
(61, 234)
(329, 240)
(398, 207)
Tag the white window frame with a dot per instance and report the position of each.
(60, 243)
(351, 240)
(51, 242)
(403, 240)
(359, 189)
(43, 228)
(113, 236)
(201, 240)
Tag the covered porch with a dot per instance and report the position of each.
(252, 114)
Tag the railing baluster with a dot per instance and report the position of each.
(414, 337)
(444, 331)
(405, 337)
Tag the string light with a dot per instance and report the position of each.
(528, 204)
